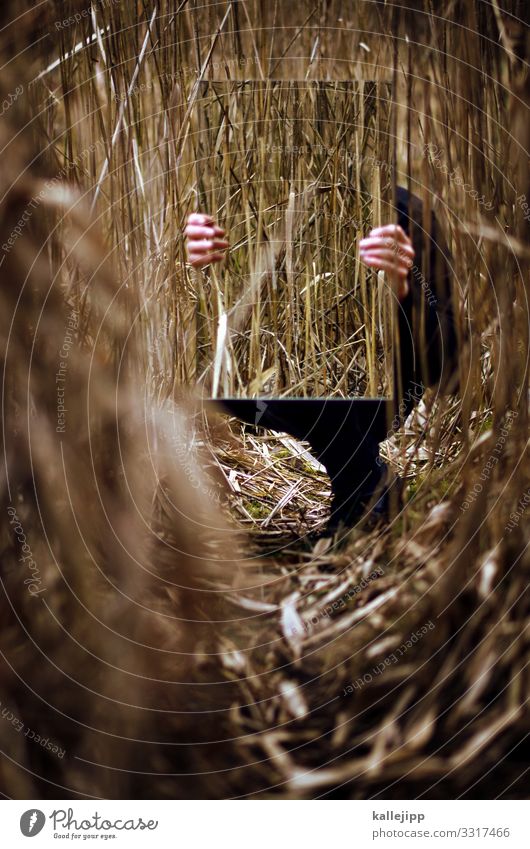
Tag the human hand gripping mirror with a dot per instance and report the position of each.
(389, 249)
(205, 242)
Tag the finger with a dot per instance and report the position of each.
(207, 259)
(390, 255)
(196, 231)
(200, 218)
(206, 245)
(382, 242)
(385, 264)
(388, 265)
(398, 258)
(197, 251)
(392, 230)
(398, 281)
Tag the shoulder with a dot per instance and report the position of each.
(409, 207)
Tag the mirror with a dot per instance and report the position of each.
(296, 172)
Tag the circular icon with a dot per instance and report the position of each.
(31, 822)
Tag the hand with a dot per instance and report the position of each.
(389, 249)
(204, 240)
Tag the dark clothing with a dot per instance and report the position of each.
(427, 351)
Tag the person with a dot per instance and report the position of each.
(425, 356)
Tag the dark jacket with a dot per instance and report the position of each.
(427, 350)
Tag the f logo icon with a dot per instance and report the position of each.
(261, 406)
(32, 822)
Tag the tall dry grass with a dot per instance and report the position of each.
(110, 542)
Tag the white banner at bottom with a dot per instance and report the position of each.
(267, 824)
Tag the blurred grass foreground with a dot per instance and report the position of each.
(171, 621)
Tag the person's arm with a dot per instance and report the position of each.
(428, 345)
(429, 349)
